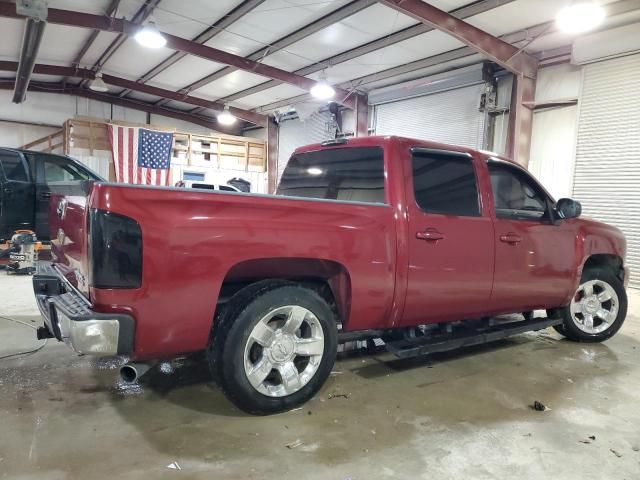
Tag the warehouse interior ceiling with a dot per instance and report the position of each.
(360, 45)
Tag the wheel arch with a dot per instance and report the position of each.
(606, 260)
(328, 278)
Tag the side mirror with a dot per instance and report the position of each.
(568, 208)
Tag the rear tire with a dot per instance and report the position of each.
(273, 347)
(597, 310)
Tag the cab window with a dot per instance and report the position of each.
(59, 169)
(515, 194)
(353, 174)
(445, 183)
(13, 167)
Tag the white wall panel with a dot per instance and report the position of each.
(560, 82)
(610, 43)
(18, 134)
(607, 173)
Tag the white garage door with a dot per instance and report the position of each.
(607, 173)
(448, 117)
(296, 133)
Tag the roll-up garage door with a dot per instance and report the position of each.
(296, 133)
(449, 117)
(607, 171)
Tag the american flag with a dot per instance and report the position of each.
(140, 155)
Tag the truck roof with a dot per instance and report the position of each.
(380, 140)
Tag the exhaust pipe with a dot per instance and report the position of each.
(131, 372)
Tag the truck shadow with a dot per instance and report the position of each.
(400, 398)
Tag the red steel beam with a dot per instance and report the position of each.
(361, 116)
(273, 131)
(108, 24)
(139, 17)
(59, 88)
(521, 119)
(86, 74)
(233, 16)
(327, 20)
(495, 49)
(113, 6)
(523, 66)
(470, 10)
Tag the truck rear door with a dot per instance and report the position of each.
(16, 196)
(451, 244)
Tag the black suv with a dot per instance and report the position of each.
(24, 188)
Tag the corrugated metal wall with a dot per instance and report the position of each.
(448, 117)
(607, 172)
(296, 133)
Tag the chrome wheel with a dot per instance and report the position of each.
(284, 351)
(594, 307)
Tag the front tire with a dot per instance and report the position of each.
(274, 346)
(597, 310)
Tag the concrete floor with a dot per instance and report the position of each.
(463, 415)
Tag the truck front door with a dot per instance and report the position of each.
(535, 259)
(451, 244)
(51, 168)
(16, 195)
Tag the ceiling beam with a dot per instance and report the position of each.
(219, 26)
(140, 16)
(300, 34)
(495, 49)
(516, 37)
(59, 88)
(113, 6)
(466, 11)
(87, 74)
(87, 20)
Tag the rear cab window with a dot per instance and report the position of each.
(352, 174)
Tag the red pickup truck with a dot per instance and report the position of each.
(419, 244)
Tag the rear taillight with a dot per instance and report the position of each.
(115, 250)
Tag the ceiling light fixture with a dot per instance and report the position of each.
(322, 90)
(149, 36)
(580, 17)
(226, 117)
(98, 85)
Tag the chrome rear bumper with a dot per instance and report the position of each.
(69, 317)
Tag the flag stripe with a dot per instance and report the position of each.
(120, 155)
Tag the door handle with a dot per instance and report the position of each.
(430, 234)
(511, 238)
(44, 195)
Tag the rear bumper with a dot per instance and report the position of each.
(69, 317)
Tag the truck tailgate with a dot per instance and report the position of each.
(68, 211)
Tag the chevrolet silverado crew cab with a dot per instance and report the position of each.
(420, 244)
(24, 188)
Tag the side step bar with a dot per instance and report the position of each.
(465, 337)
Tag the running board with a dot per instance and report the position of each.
(466, 337)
